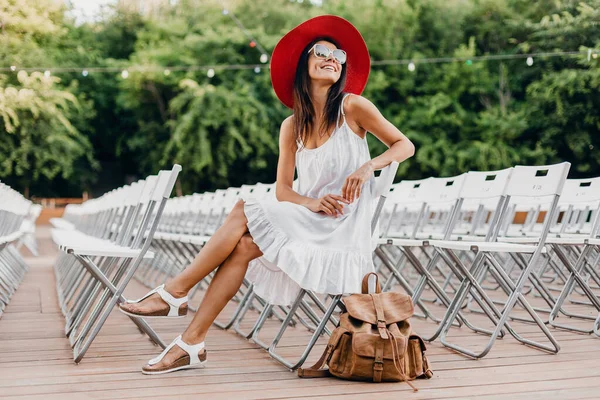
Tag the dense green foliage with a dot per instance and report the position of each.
(65, 133)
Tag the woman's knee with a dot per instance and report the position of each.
(247, 248)
(237, 213)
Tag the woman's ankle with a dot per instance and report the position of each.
(174, 290)
(192, 338)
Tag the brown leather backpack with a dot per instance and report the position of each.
(374, 341)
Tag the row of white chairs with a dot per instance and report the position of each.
(456, 245)
(102, 243)
(464, 244)
(482, 243)
(17, 224)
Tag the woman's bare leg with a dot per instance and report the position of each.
(216, 250)
(222, 288)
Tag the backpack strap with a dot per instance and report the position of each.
(315, 371)
(381, 324)
(378, 363)
(365, 283)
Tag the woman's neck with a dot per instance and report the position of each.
(318, 96)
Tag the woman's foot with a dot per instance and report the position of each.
(157, 303)
(177, 356)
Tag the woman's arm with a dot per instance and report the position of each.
(285, 176)
(368, 117)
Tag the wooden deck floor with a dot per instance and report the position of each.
(36, 360)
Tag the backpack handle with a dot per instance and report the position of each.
(365, 283)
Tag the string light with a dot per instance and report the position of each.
(46, 73)
(469, 62)
(125, 74)
(210, 73)
(167, 72)
(411, 66)
(375, 63)
(253, 41)
(529, 61)
(257, 70)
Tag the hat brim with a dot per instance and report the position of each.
(287, 52)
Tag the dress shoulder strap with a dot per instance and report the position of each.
(343, 114)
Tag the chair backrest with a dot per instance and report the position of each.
(581, 192)
(538, 181)
(539, 188)
(14, 208)
(579, 206)
(157, 198)
(484, 196)
(441, 207)
(381, 191)
(405, 203)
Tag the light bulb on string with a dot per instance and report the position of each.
(595, 55)
(125, 74)
(469, 62)
(253, 44)
(264, 58)
(257, 70)
(529, 61)
(411, 66)
(46, 73)
(167, 72)
(84, 72)
(210, 73)
(13, 68)
(225, 11)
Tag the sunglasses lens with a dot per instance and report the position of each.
(340, 56)
(321, 51)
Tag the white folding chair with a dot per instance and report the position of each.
(543, 183)
(583, 265)
(14, 209)
(112, 244)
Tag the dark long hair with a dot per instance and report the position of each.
(304, 111)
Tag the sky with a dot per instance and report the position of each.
(85, 10)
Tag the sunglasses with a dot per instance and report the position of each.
(322, 51)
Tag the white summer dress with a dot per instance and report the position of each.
(314, 251)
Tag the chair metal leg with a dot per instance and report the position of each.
(313, 340)
(574, 277)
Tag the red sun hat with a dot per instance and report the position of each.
(286, 54)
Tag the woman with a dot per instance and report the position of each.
(316, 237)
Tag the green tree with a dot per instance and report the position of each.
(217, 134)
(38, 138)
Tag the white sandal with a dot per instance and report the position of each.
(177, 307)
(190, 361)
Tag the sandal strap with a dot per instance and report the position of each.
(174, 303)
(192, 351)
(159, 358)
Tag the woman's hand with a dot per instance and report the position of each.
(329, 204)
(354, 183)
